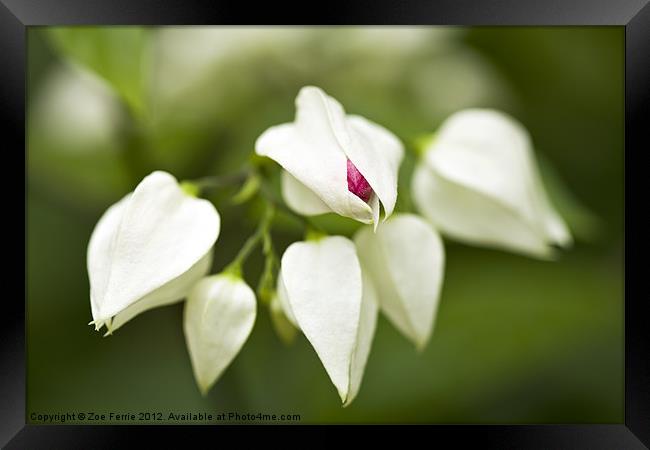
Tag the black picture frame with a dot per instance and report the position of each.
(634, 15)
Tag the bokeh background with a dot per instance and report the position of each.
(516, 340)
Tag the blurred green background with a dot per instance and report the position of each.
(516, 340)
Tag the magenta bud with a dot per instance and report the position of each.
(357, 184)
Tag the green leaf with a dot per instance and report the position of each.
(116, 54)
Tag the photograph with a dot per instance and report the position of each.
(324, 225)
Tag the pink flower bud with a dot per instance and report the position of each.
(357, 184)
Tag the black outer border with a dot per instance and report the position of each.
(16, 15)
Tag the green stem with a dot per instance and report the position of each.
(219, 181)
(235, 267)
(270, 197)
(216, 182)
(266, 283)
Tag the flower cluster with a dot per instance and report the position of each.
(475, 181)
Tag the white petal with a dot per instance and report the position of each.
(146, 240)
(100, 249)
(219, 316)
(491, 154)
(365, 334)
(171, 292)
(405, 260)
(319, 116)
(377, 154)
(469, 216)
(309, 150)
(374, 205)
(324, 288)
(300, 198)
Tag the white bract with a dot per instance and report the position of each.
(334, 162)
(219, 315)
(331, 289)
(148, 249)
(405, 261)
(324, 292)
(479, 183)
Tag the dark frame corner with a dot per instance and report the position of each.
(17, 15)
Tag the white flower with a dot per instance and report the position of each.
(325, 293)
(479, 183)
(331, 290)
(405, 261)
(148, 249)
(334, 162)
(219, 315)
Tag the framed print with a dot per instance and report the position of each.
(391, 215)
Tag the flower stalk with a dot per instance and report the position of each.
(235, 267)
